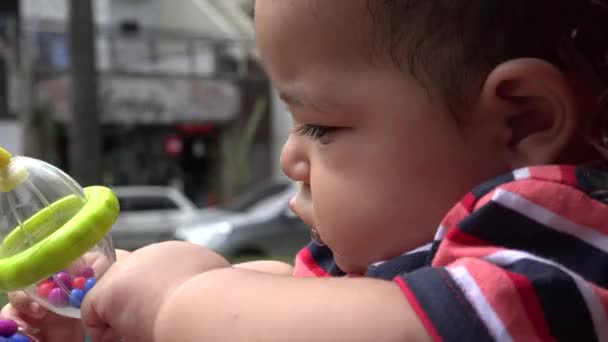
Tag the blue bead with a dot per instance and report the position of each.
(88, 285)
(76, 297)
(18, 338)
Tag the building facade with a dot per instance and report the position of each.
(177, 80)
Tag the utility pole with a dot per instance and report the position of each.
(85, 125)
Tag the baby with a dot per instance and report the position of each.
(449, 156)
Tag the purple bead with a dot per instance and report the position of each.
(86, 272)
(58, 298)
(63, 279)
(88, 285)
(8, 327)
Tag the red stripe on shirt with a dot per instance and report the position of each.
(571, 203)
(532, 306)
(568, 175)
(458, 236)
(307, 260)
(560, 174)
(468, 202)
(450, 251)
(455, 215)
(502, 296)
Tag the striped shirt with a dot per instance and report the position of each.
(521, 258)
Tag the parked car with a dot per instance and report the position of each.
(267, 229)
(256, 193)
(151, 214)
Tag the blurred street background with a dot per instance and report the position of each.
(165, 102)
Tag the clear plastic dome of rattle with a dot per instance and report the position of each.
(46, 247)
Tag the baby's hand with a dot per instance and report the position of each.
(40, 323)
(37, 321)
(126, 301)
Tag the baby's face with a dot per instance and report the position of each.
(380, 162)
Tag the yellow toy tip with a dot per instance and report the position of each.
(5, 158)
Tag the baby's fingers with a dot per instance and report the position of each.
(25, 305)
(26, 324)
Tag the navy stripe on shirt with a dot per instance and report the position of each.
(501, 226)
(565, 309)
(434, 288)
(400, 265)
(489, 186)
(324, 258)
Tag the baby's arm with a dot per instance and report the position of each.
(121, 254)
(267, 266)
(240, 305)
(264, 266)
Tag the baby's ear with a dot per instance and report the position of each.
(536, 106)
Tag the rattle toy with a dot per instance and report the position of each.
(54, 241)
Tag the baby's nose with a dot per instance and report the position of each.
(294, 162)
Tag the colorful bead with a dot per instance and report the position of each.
(44, 290)
(88, 285)
(76, 297)
(18, 338)
(58, 298)
(8, 327)
(78, 283)
(62, 290)
(63, 279)
(8, 332)
(45, 281)
(86, 272)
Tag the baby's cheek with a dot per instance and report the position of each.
(373, 223)
(347, 222)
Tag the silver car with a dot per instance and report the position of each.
(267, 229)
(150, 214)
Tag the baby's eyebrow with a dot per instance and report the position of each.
(290, 98)
(298, 97)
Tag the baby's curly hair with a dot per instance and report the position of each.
(455, 44)
(439, 38)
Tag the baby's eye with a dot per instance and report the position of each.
(314, 131)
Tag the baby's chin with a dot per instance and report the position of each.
(348, 266)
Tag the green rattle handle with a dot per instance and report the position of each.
(58, 246)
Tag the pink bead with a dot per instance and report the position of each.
(86, 272)
(58, 298)
(63, 279)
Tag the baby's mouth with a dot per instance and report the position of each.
(301, 206)
(316, 237)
